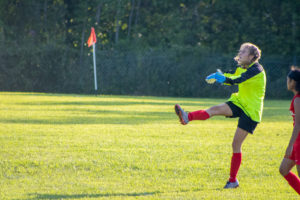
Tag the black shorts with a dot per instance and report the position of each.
(245, 122)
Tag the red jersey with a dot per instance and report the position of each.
(296, 147)
(292, 109)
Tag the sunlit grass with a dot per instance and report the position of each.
(124, 147)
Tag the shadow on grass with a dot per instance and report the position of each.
(101, 97)
(80, 196)
(37, 196)
(96, 117)
(112, 103)
(85, 120)
(105, 111)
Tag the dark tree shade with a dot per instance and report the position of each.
(145, 47)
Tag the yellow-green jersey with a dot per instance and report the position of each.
(252, 87)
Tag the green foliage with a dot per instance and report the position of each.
(145, 47)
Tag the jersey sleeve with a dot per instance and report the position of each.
(237, 79)
(232, 73)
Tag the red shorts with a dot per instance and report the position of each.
(296, 151)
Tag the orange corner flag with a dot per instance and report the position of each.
(92, 39)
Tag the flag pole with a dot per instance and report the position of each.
(92, 41)
(95, 73)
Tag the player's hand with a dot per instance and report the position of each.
(211, 78)
(216, 77)
(220, 78)
(288, 152)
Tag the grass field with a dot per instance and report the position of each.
(121, 147)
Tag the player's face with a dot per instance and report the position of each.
(244, 58)
(290, 84)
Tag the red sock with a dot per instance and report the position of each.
(236, 161)
(294, 181)
(198, 115)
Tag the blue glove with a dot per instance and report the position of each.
(220, 78)
(211, 78)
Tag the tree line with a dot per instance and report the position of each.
(145, 47)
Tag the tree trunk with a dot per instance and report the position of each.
(98, 13)
(294, 25)
(45, 20)
(137, 15)
(117, 22)
(130, 18)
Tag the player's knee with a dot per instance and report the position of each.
(283, 171)
(212, 111)
(215, 110)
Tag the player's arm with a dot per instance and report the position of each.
(231, 73)
(296, 128)
(235, 80)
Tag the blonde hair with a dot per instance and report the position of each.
(253, 50)
(293, 68)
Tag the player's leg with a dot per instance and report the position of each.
(286, 166)
(238, 139)
(222, 109)
(246, 125)
(298, 169)
(236, 159)
(184, 117)
(285, 171)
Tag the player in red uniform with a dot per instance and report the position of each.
(292, 153)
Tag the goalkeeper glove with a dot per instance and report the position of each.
(211, 78)
(218, 76)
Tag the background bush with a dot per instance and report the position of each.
(149, 47)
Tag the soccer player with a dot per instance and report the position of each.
(247, 104)
(292, 153)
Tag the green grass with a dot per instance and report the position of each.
(121, 147)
